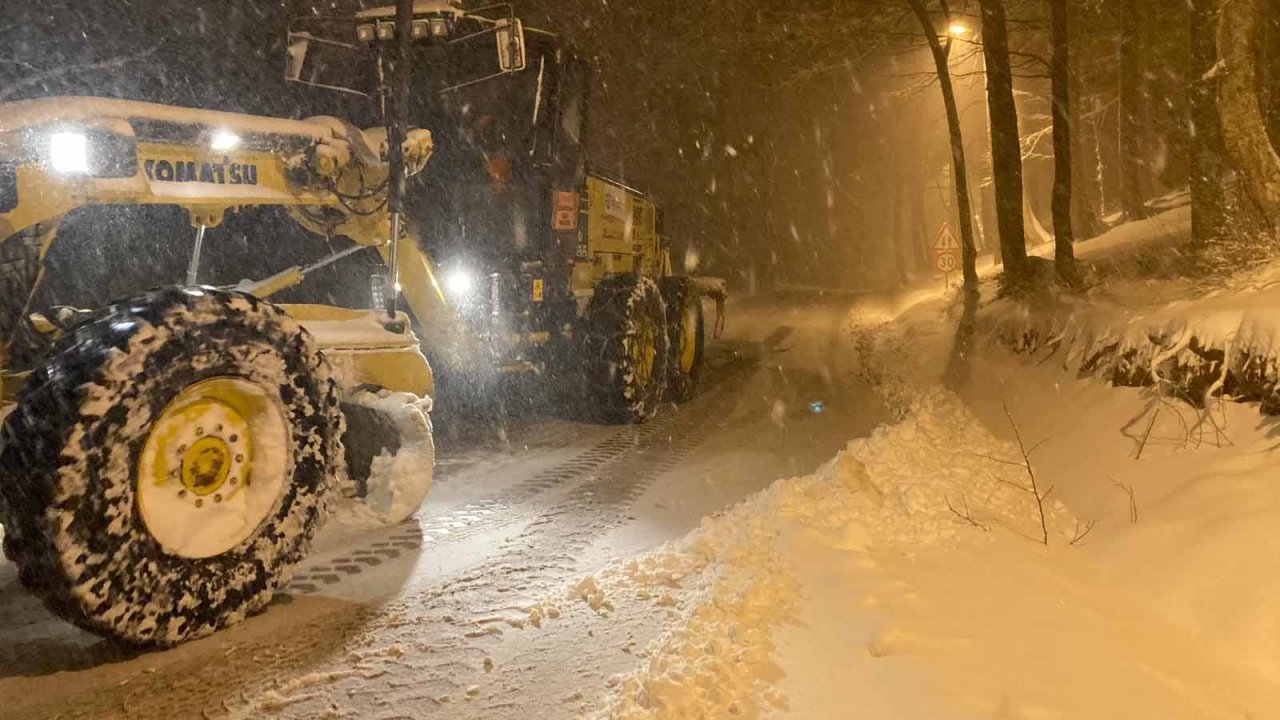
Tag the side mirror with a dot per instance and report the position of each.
(511, 51)
(296, 56)
(311, 59)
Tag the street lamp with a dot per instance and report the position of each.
(957, 29)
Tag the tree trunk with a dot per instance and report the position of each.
(1064, 258)
(1243, 126)
(941, 59)
(1209, 216)
(1087, 194)
(900, 239)
(1006, 148)
(957, 372)
(1131, 160)
(919, 222)
(1269, 83)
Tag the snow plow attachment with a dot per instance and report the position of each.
(390, 456)
(387, 443)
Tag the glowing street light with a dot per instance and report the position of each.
(957, 29)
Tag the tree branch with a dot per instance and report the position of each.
(1031, 473)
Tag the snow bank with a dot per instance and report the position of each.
(732, 582)
(1167, 228)
(907, 577)
(1223, 343)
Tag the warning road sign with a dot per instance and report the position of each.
(946, 250)
(564, 211)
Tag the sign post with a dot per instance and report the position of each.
(946, 252)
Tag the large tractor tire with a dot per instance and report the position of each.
(687, 338)
(168, 465)
(626, 349)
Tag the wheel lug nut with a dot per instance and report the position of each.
(217, 498)
(239, 458)
(182, 493)
(199, 502)
(234, 438)
(199, 431)
(235, 481)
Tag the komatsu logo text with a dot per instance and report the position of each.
(217, 173)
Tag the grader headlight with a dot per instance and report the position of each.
(69, 152)
(224, 140)
(94, 152)
(460, 284)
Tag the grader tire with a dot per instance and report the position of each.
(626, 349)
(168, 465)
(687, 338)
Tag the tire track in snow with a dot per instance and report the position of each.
(453, 621)
(519, 503)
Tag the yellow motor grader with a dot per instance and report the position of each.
(165, 460)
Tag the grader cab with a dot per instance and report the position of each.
(558, 273)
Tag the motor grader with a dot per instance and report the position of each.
(166, 459)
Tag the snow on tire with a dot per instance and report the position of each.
(626, 348)
(82, 451)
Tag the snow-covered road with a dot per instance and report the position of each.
(460, 612)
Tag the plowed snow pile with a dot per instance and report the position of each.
(735, 579)
(910, 576)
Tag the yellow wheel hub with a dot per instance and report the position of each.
(644, 350)
(213, 466)
(206, 465)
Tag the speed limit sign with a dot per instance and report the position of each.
(946, 250)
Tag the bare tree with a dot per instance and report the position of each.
(1131, 109)
(1209, 216)
(1087, 186)
(941, 52)
(1006, 146)
(958, 365)
(1243, 125)
(1064, 258)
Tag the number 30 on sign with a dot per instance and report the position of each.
(946, 250)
